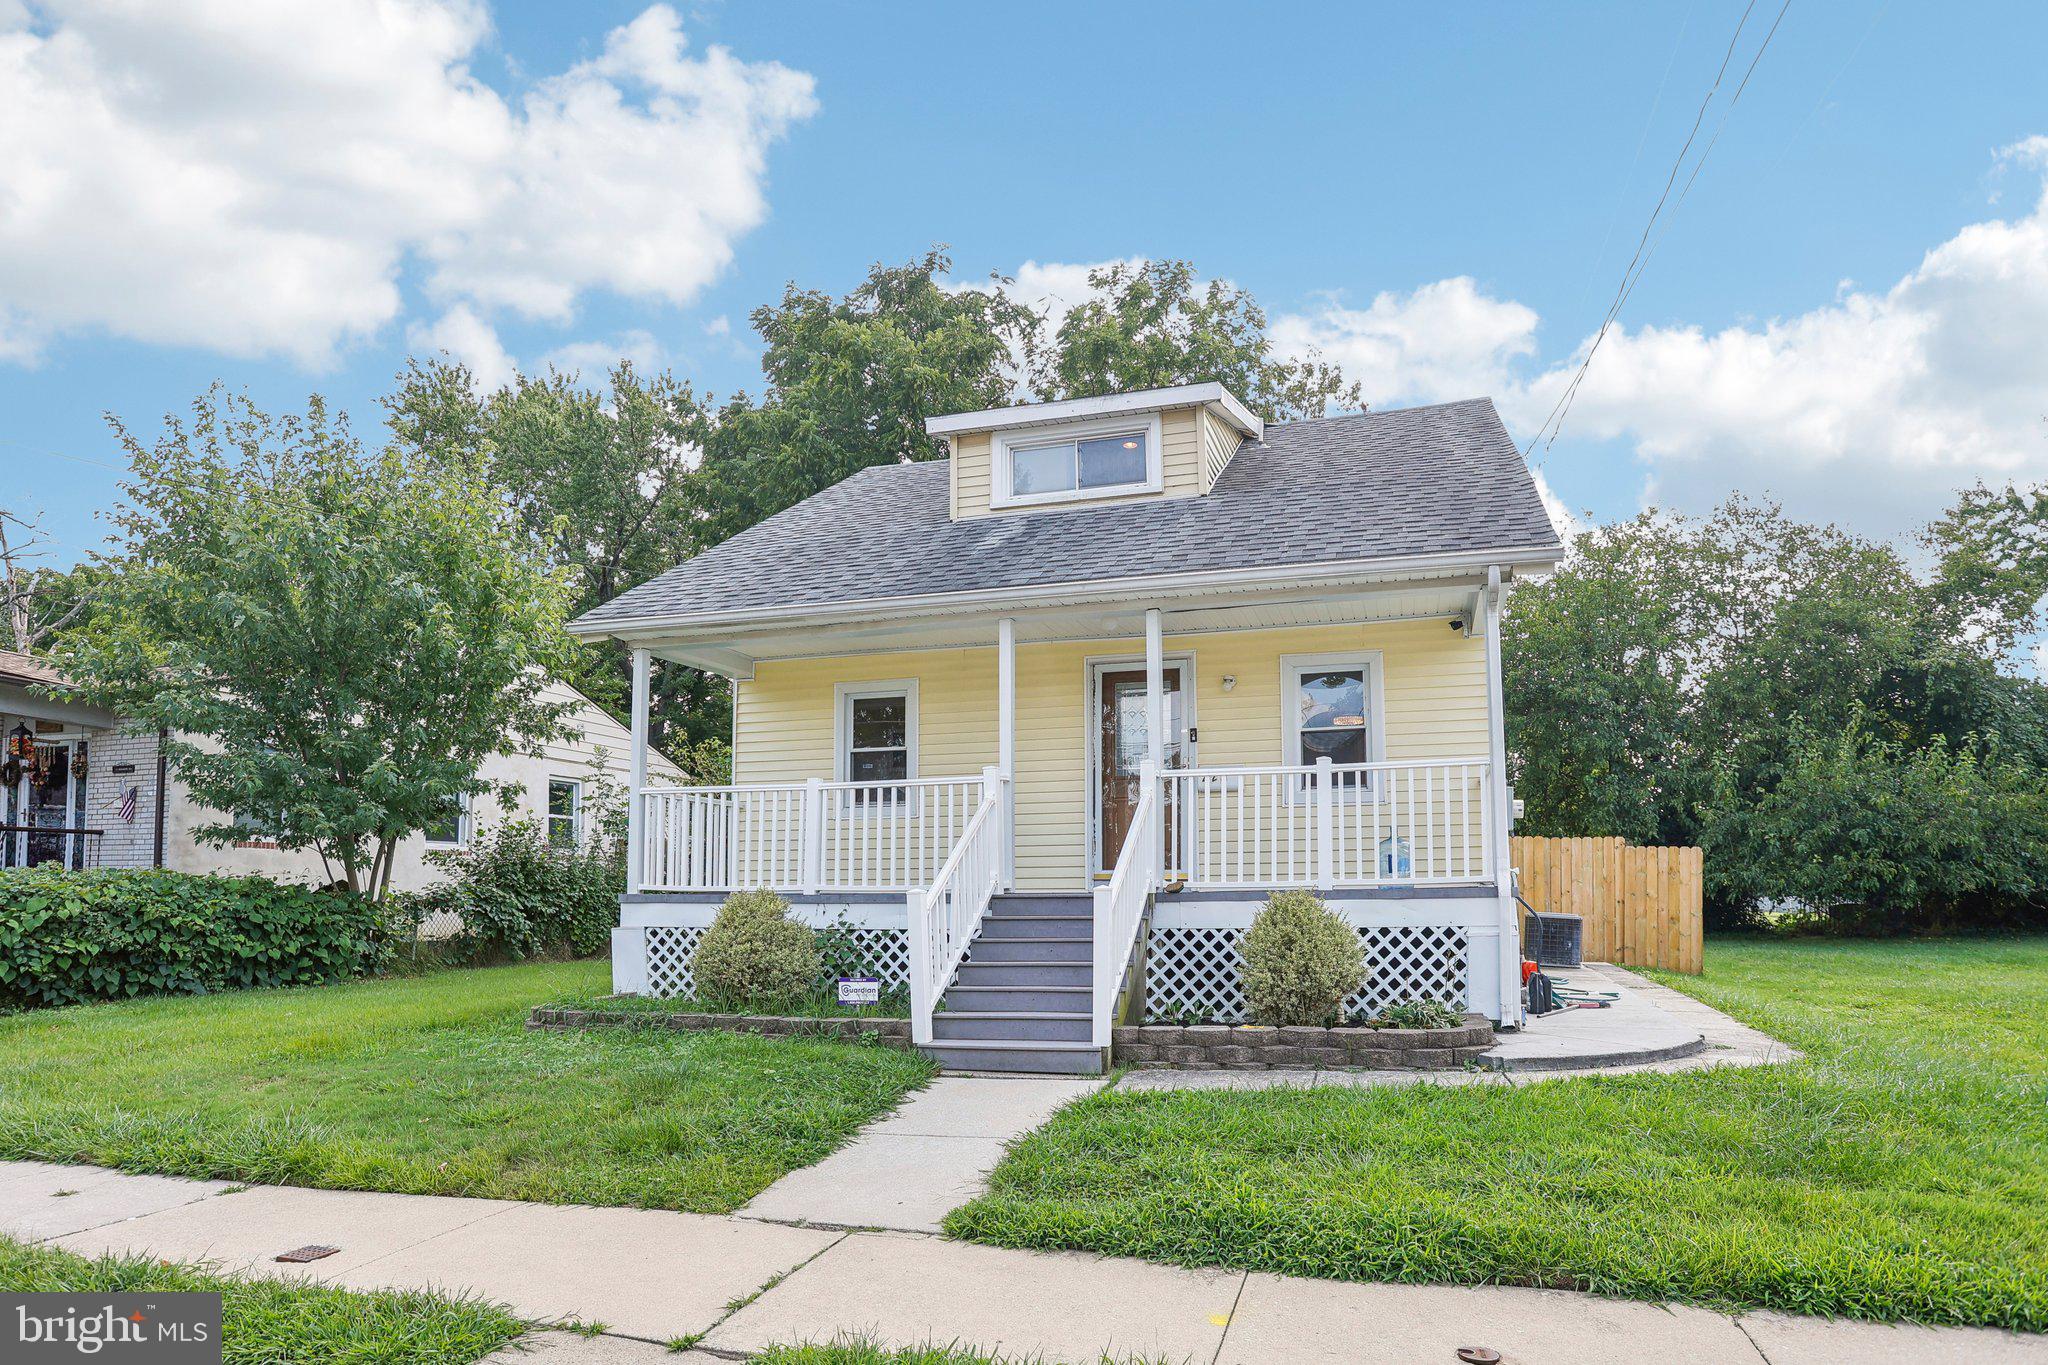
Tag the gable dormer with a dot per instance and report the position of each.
(1081, 452)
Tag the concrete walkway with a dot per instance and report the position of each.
(740, 1285)
(930, 1156)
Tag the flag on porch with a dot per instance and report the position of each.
(128, 803)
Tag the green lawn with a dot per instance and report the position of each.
(266, 1323)
(432, 1085)
(1900, 1171)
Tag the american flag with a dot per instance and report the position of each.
(128, 803)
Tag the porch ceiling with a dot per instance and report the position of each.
(735, 653)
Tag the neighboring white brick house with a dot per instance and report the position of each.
(118, 761)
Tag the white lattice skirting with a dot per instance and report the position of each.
(670, 948)
(1197, 971)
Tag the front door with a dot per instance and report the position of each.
(48, 797)
(1120, 747)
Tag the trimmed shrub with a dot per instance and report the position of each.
(1300, 961)
(520, 897)
(106, 934)
(754, 953)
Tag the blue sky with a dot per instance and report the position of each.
(1849, 309)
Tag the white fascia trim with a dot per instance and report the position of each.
(1148, 587)
(1109, 405)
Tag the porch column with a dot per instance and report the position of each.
(636, 820)
(1502, 815)
(1155, 690)
(1006, 741)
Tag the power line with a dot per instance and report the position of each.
(1646, 246)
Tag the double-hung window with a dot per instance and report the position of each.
(565, 813)
(877, 738)
(1065, 464)
(451, 828)
(1333, 709)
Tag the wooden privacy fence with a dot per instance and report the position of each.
(1641, 905)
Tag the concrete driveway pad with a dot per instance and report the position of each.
(638, 1271)
(247, 1231)
(907, 1291)
(1308, 1321)
(39, 1201)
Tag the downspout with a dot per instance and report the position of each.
(1510, 965)
(163, 736)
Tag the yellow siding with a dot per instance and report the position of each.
(1181, 468)
(1435, 691)
(1220, 441)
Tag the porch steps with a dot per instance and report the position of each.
(1024, 1000)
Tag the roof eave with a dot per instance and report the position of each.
(1211, 395)
(1529, 558)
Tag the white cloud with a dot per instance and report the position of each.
(594, 359)
(1442, 342)
(469, 339)
(1870, 409)
(252, 176)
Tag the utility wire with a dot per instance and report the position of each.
(1646, 245)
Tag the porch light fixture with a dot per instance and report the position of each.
(1229, 681)
(20, 743)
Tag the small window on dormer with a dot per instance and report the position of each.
(1077, 463)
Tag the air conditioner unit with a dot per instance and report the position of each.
(1553, 940)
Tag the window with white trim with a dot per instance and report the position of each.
(565, 813)
(877, 734)
(1090, 460)
(451, 830)
(1333, 708)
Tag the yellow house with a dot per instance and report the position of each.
(1045, 722)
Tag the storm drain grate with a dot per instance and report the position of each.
(301, 1255)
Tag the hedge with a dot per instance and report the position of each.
(67, 937)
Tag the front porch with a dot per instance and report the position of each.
(1117, 761)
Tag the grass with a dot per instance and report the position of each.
(268, 1323)
(1897, 1172)
(895, 1005)
(432, 1085)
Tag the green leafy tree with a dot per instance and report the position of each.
(1152, 324)
(1664, 683)
(596, 475)
(850, 382)
(335, 638)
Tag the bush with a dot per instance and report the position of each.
(1300, 961)
(520, 897)
(67, 937)
(754, 953)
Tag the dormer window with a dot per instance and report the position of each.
(1076, 461)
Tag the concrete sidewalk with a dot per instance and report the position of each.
(739, 1286)
(910, 1169)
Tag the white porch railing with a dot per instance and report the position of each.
(1329, 825)
(1120, 904)
(943, 921)
(804, 836)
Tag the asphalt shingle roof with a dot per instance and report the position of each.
(1409, 481)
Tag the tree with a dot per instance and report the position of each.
(596, 476)
(336, 639)
(1149, 326)
(850, 382)
(1665, 683)
(39, 601)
